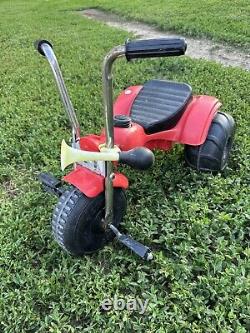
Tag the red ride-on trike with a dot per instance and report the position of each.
(151, 116)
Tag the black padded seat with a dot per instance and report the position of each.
(160, 104)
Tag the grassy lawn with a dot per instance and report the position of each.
(223, 20)
(197, 224)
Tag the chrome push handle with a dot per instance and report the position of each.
(45, 48)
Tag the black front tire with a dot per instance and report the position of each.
(214, 153)
(77, 222)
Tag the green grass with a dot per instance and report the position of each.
(197, 224)
(221, 20)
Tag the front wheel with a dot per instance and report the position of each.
(77, 222)
(214, 153)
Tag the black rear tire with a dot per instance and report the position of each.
(214, 153)
(77, 222)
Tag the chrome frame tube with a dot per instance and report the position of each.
(115, 53)
(50, 56)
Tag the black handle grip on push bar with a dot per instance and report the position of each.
(38, 45)
(151, 48)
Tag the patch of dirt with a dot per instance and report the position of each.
(10, 188)
(197, 48)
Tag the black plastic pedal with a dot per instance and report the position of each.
(141, 250)
(51, 184)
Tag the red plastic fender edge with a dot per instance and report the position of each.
(90, 183)
(193, 126)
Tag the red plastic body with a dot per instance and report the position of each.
(191, 129)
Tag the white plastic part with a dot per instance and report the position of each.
(71, 155)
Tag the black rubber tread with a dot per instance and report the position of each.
(75, 217)
(214, 153)
(160, 104)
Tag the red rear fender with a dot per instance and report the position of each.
(196, 120)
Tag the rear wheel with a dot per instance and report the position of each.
(77, 222)
(214, 153)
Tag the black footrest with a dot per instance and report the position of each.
(141, 250)
(51, 184)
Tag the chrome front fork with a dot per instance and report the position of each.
(115, 53)
(50, 55)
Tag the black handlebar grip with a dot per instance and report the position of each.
(38, 45)
(138, 158)
(151, 48)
